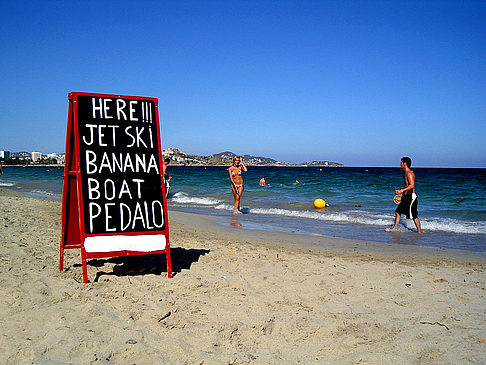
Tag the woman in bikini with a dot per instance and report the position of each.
(237, 180)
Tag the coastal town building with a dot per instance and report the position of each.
(176, 156)
(36, 156)
(21, 155)
(59, 158)
(173, 151)
(5, 155)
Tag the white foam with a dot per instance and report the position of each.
(451, 225)
(351, 216)
(183, 198)
(368, 218)
(41, 192)
(223, 207)
(6, 184)
(337, 217)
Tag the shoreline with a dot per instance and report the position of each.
(218, 224)
(326, 245)
(32, 165)
(316, 244)
(431, 240)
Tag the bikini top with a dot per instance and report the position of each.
(233, 172)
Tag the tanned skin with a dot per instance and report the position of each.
(409, 182)
(237, 180)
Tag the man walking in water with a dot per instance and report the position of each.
(408, 204)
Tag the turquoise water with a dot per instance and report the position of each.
(452, 202)
(35, 180)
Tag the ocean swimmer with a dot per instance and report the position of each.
(167, 177)
(263, 182)
(409, 202)
(236, 178)
(1, 168)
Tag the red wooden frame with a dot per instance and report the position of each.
(73, 233)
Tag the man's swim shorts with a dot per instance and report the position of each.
(408, 206)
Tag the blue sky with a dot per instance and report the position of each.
(357, 82)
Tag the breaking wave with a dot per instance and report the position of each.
(183, 198)
(342, 217)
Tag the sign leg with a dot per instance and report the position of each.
(169, 265)
(85, 271)
(61, 259)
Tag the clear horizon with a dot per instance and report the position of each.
(359, 83)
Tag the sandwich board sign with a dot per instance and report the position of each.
(113, 201)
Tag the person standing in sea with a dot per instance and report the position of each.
(1, 168)
(409, 202)
(263, 182)
(236, 178)
(166, 175)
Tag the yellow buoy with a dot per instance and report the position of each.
(319, 203)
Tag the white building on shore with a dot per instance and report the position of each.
(59, 158)
(36, 156)
(173, 151)
(5, 155)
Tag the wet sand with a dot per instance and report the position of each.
(237, 296)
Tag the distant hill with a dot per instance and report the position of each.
(226, 155)
(249, 159)
(225, 159)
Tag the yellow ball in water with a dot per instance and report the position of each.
(319, 203)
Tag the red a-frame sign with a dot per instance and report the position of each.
(113, 201)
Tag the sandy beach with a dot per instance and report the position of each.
(237, 297)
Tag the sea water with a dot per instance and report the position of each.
(34, 180)
(452, 202)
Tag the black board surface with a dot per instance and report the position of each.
(119, 152)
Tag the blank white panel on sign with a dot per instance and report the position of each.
(141, 243)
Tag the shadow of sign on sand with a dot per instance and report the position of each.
(182, 259)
